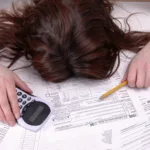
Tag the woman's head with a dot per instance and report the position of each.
(66, 38)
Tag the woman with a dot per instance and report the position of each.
(64, 38)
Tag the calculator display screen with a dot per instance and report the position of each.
(36, 113)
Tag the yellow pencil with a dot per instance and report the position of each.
(113, 90)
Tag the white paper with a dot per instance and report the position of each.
(3, 131)
(79, 114)
(76, 103)
(136, 137)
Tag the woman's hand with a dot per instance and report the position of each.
(138, 72)
(9, 108)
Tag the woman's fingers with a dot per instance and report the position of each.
(138, 75)
(5, 106)
(147, 76)
(12, 97)
(2, 116)
(139, 68)
(140, 81)
(9, 108)
(22, 85)
(132, 75)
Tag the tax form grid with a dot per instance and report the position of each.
(78, 104)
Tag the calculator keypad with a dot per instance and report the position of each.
(24, 96)
(20, 100)
(24, 100)
(19, 93)
(29, 98)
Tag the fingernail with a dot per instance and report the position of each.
(131, 86)
(11, 123)
(17, 116)
(30, 90)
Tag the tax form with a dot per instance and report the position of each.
(80, 117)
(76, 103)
(3, 131)
(136, 136)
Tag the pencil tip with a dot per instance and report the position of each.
(101, 98)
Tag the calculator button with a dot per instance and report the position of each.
(20, 106)
(29, 98)
(24, 96)
(19, 93)
(24, 102)
(20, 100)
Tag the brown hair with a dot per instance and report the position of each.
(63, 38)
